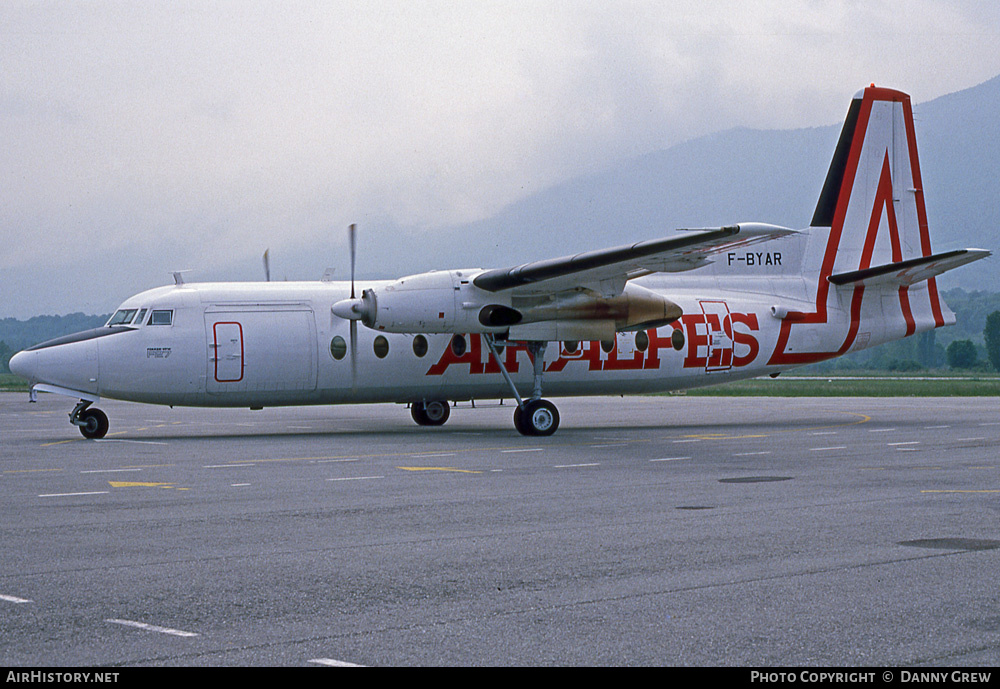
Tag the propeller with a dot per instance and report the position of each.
(355, 309)
(352, 240)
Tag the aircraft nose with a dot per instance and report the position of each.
(23, 364)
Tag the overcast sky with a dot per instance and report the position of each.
(207, 131)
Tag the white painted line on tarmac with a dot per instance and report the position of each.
(751, 454)
(880, 430)
(70, 495)
(226, 466)
(330, 662)
(824, 449)
(906, 442)
(669, 459)
(15, 599)
(573, 466)
(355, 478)
(152, 627)
(525, 449)
(124, 440)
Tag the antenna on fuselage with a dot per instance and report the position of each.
(267, 265)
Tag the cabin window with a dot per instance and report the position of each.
(161, 317)
(641, 341)
(608, 346)
(338, 348)
(458, 345)
(677, 339)
(420, 345)
(381, 346)
(122, 317)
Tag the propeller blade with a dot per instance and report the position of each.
(354, 356)
(352, 240)
(352, 236)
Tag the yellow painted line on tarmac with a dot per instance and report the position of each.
(864, 418)
(61, 442)
(451, 469)
(142, 484)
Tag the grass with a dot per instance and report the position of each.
(11, 383)
(866, 384)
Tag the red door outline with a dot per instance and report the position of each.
(215, 335)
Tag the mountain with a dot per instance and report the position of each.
(733, 176)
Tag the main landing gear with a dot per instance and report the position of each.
(93, 423)
(534, 416)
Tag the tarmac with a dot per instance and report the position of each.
(661, 530)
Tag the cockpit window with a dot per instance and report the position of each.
(122, 317)
(138, 319)
(161, 317)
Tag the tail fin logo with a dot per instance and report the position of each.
(873, 204)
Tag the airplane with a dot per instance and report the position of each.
(699, 307)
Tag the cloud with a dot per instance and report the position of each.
(214, 129)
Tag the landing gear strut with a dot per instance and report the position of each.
(534, 416)
(93, 423)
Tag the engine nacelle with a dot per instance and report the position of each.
(435, 302)
(636, 308)
(448, 302)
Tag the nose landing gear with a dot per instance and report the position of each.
(433, 413)
(93, 423)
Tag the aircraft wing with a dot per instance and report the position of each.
(607, 270)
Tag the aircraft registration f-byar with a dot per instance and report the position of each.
(701, 307)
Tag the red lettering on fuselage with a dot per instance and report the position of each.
(714, 341)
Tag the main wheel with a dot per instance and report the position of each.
(94, 424)
(538, 417)
(433, 413)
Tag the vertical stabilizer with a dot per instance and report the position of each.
(873, 206)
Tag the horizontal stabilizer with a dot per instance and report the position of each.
(911, 271)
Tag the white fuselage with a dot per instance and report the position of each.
(275, 344)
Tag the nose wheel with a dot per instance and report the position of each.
(433, 413)
(93, 423)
